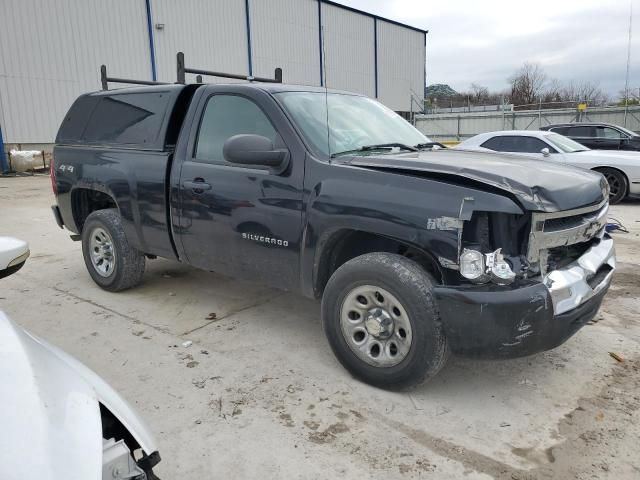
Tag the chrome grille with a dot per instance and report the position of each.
(565, 228)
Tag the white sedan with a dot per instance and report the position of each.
(620, 168)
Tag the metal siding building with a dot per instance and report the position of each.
(284, 33)
(50, 52)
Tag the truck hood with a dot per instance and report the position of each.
(49, 411)
(537, 185)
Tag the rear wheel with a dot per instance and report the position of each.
(112, 263)
(382, 322)
(618, 185)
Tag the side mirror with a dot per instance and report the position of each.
(13, 255)
(545, 152)
(254, 150)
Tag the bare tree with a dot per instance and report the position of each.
(479, 93)
(527, 84)
(633, 99)
(588, 92)
(552, 92)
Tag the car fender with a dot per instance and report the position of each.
(51, 426)
(51, 405)
(627, 162)
(111, 399)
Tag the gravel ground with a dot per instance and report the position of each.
(259, 394)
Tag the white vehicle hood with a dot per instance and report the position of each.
(626, 155)
(49, 411)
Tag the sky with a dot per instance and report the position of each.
(486, 41)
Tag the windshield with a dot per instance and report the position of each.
(565, 144)
(627, 131)
(354, 122)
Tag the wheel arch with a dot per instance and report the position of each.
(339, 246)
(85, 201)
(619, 170)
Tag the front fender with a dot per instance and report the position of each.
(111, 399)
(419, 212)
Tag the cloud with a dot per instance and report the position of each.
(486, 41)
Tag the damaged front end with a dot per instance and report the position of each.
(525, 283)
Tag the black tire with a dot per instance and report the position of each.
(618, 184)
(412, 286)
(128, 263)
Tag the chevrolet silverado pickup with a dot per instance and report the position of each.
(415, 251)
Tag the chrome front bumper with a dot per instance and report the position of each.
(582, 279)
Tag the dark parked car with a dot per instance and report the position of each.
(415, 252)
(599, 136)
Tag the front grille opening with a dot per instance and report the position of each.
(560, 257)
(599, 276)
(573, 221)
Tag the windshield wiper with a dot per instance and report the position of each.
(381, 146)
(422, 146)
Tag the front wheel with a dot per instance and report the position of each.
(618, 185)
(112, 263)
(382, 322)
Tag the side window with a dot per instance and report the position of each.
(494, 143)
(512, 144)
(127, 119)
(225, 116)
(607, 132)
(560, 130)
(581, 132)
(533, 145)
(522, 144)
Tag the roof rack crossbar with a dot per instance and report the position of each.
(104, 80)
(183, 70)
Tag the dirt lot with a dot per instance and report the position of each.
(260, 395)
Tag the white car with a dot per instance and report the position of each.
(60, 420)
(620, 168)
(13, 254)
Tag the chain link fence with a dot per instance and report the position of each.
(457, 126)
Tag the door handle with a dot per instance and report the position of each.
(198, 185)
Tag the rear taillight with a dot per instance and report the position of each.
(52, 174)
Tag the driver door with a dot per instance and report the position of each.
(237, 220)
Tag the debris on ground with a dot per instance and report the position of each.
(187, 344)
(617, 357)
(199, 383)
(211, 316)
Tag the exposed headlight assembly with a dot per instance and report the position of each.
(481, 268)
(498, 268)
(472, 266)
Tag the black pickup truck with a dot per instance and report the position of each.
(415, 251)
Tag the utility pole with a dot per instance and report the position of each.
(626, 83)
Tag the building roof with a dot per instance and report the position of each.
(384, 19)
